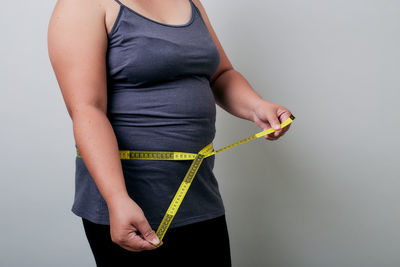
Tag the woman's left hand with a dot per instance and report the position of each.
(267, 114)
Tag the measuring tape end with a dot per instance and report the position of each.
(292, 117)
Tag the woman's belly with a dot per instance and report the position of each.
(178, 115)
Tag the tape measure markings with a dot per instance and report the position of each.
(179, 196)
(198, 158)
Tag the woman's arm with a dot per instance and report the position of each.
(77, 45)
(234, 94)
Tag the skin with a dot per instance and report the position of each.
(77, 44)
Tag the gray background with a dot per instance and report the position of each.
(325, 194)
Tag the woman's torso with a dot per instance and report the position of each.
(159, 98)
(158, 78)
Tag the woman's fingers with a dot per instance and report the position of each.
(137, 243)
(273, 121)
(147, 233)
(270, 115)
(130, 228)
(278, 133)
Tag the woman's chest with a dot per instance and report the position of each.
(140, 52)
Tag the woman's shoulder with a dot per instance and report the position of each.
(103, 12)
(89, 7)
(81, 13)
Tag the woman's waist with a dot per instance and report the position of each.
(180, 138)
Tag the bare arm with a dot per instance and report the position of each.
(233, 93)
(77, 45)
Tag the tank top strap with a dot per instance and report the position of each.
(119, 2)
(195, 8)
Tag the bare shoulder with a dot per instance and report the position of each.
(72, 18)
(81, 10)
(225, 64)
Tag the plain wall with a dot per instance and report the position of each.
(326, 194)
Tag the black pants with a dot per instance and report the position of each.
(203, 244)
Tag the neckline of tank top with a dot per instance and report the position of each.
(160, 23)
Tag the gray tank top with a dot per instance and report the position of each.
(159, 98)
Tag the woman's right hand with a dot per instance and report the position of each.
(129, 227)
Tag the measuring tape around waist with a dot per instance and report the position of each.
(198, 158)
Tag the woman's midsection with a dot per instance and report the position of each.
(179, 116)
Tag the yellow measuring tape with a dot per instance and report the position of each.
(207, 151)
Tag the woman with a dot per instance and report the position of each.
(145, 75)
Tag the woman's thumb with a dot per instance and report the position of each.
(274, 122)
(148, 233)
